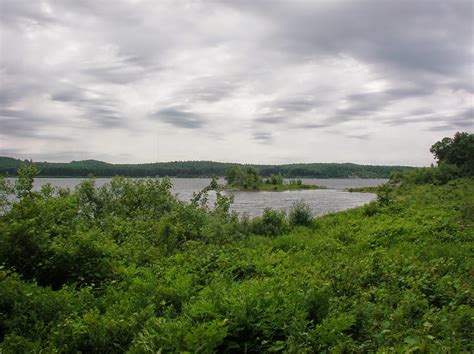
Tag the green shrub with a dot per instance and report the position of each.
(370, 209)
(271, 223)
(385, 194)
(300, 214)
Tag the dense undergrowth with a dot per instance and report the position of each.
(129, 268)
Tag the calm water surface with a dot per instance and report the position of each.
(321, 201)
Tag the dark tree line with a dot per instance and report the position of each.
(199, 169)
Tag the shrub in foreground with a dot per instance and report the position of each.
(300, 214)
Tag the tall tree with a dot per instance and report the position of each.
(458, 151)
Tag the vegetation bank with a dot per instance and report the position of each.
(128, 268)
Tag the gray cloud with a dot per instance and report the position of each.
(262, 137)
(294, 67)
(123, 70)
(209, 89)
(17, 13)
(61, 156)
(22, 123)
(365, 136)
(462, 120)
(400, 34)
(297, 105)
(116, 74)
(272, 120)
(179, 118)
(313, 126)
(95, 107)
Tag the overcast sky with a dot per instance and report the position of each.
(246, 81)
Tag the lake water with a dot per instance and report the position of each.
(321, 201)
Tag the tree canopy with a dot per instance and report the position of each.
(247, 178)
(199, 169)
(458, 151)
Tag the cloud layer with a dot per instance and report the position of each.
(246, 81)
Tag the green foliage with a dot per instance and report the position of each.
(455, 159)
(245, 178)
(6, 190)
(385, 194)
(232, 174)
(458, 151)
(298, 182)
(275, 179)
(249, 178)
(128, 268)
(271, 223)
(199, 169)
(300, 214)
(24, 183)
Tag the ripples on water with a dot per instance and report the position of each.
(321, 201)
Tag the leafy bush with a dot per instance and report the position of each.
(275, 179)
(385, 194)
(370, 209)
(300, 214)
(271, 223)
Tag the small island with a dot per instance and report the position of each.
(250, 179)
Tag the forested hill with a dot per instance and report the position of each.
(9, 165)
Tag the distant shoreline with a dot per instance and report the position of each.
(198, 169)
(200, 177)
